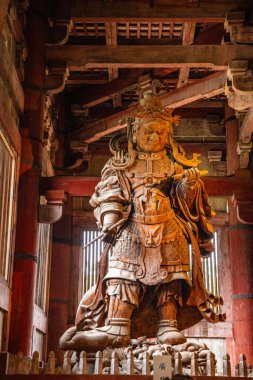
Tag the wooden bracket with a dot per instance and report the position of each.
(58, 35)
(214, 158)
(243, 201)
(52, 211)
(244, 145)
(244, 149)
(56, 78)
(234, 25)
(239, 88)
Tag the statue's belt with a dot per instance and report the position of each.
(153, 219)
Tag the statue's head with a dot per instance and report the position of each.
(150, 130)
(152, 125)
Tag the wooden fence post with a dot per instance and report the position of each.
(226, 365)
(130, 363)
(210, 364)
(242, 366)
(19, 365)
(194, 364)
(67, 363)
(98, 363)
(35, 364)
(83, 368)
(178, 364)
(114, 370)
(50, 366)
(145, 364)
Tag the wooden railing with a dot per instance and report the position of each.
(128, 362)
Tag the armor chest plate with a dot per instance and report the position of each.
(149, 169)
(151, 206)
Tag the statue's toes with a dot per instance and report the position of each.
(89, 341)
(65, 339)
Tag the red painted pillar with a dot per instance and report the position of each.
(59, 302)
(241, 253)
(241, 259)
(25, 259)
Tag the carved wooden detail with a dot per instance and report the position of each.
(239, 33)
(81, 156)
(240, 88)
(215, 159)
(244, 149)
(52, 211)
(243, 201)
(58, 34)
(56, 77)
(240, 91)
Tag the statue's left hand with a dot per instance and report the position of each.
(192, 174)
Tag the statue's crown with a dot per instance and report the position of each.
(151, 108)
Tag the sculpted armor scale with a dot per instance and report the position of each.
(150, 204)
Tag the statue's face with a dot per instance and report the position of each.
(151, 136)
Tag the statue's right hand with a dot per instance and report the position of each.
(109, 237)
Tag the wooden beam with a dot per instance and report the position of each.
(188, 33)
(207, 87)
(99, 94)
(113, 73)
(111, 40)
(77, 80)
(85, 186)
(185, 112)
(137, 11)
(183, 77)
(246, 128)
(203, 88)
(80, 57)
(188, 38)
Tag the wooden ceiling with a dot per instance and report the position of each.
(112, 51)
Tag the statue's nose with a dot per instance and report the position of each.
(154, 137)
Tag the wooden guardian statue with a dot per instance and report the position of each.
(150, 205)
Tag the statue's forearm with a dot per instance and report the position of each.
(110, 213)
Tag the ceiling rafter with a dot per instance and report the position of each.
(132, 10)
(79, 57)
(203, 88)
(188, 38)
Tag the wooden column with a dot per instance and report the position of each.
(25, 259)
(241, 258)
(58, 317)
(241, 253)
